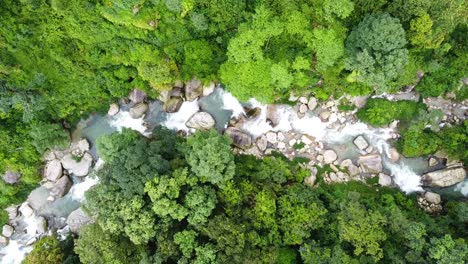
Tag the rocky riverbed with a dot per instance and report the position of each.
(318, 132)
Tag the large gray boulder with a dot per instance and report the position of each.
(53, 170)
(173, 105)
(77, 219)
(193, 89)
(239, 138)
(11, 177)
(79, 148)
(41, 225)
(79, 167)
(360, 142)
(26, 210)
(7, 230)
(385, 180)
(113, 109)
(329, 156)
(61, 187)
(370, 163)
(137, 96)
(201, 120)
(444, 178)
(138, 110)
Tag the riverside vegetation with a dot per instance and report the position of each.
(61, 60)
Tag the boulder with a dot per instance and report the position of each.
(173, 105)
(3, 241)
(272, 115)
(371, 163)
(312, 178)
(303, 108)
(325, 115)
(306, 140)
(77, 219)
(432, 197)
(280, 136)
(177, 92)
(41, 225)
(193, 89)
(11, 177)
(61, 187)
(138, 110)
(262, 143)
(272, 137)
(444, 178)
(137, 96)
(7, 231)
(361, 143)
(164, 96)
(353, 170)
(53, 170)
(114, 109)
(79, 167)
(281, 145)
(312, 103)
(26, 210)
(48, 155)
(329, 156)
(201, 120)
(239, 138)
(12, 212)
(394, 155)
(385, 180)
(433, 161)
(79, 148)
(37, 198)
(207, 90)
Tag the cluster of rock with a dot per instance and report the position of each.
(11, 177)
(451, 175)
(453, 111)
(430, 202)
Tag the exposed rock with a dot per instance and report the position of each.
(272, 137)
(36, 198)
(138, 110)
(193, 89)
(53, 170)
(292, 142)
(11, 177)
(312, 178)
(281, 145)
(280, 136)
(173, 104)
(12, 212)
(201, 120)
(306, 139)
(385, 180)
(312, 104)
(79, 148)
(444, 178)
(369, 149)
(394, 155)
(272, 115)
(177, 92)
(164, 96)
(77, 219)
(329, 156)
(432, 197)
(353, 170)
(262, 143)
(293, 97)
(346, 163)
(113, 109)
(207, 90)
(433, 161)
(78, 168)
(7, 231)
(325, 115)
(61, 187)
(370, 163)
(303, 108)
(303, 100)
(360, 142)
(41, 225)
(137, 96)
(48, 155)
(239, 138)
(26, 210)
(3, 241)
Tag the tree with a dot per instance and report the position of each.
(46, 250)
(445, 250)
(209, 156)
(376, 50)
(200, 202)
(48, 136)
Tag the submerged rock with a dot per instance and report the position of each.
(201, 120)
(11, 177)
(53, 170)
(138, 110)
(444, 178)
(173, 104)
(240, 139)
(61, 187)
(113, 109)
(77, 219)
(77, 167)
(370, 163)
(193, 89)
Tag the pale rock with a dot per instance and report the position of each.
(201, 120)
(306, 140)
(31, 241)
(41, 225)
(240, 139)
(360, 142)
(300, 115)
(3, 241)
(385, 180)
(12, 212)
(325, 115)
(193, 89)
(272, 137)
(302, 108)
(11, 177)
(333, 177)
(333, 118)
(7, 231)
(262, 143)
(53, 170)
(79, 148)
(268, 151)
(77, 219)
(353, 170)
(137, 96)
(433, 161)
(444, 178)
(48, 185)
(432, 197)
(50, 199)
(345, 163)
(78, 168)
(26, 210)
(320, 158)
(281, 136)
(164, 96)
(293, 97)
(61, 187)
(113, 109)
(207, 90)
(342, 176)
(312, 178)
(138, 110)
(329, 156)
(312, 104)
(281, 145)
(394, 155)
(334, 168)
(369, 149)
(371, 163)
(292, 142)
(303, 100)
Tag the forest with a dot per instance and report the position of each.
(61, 61)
